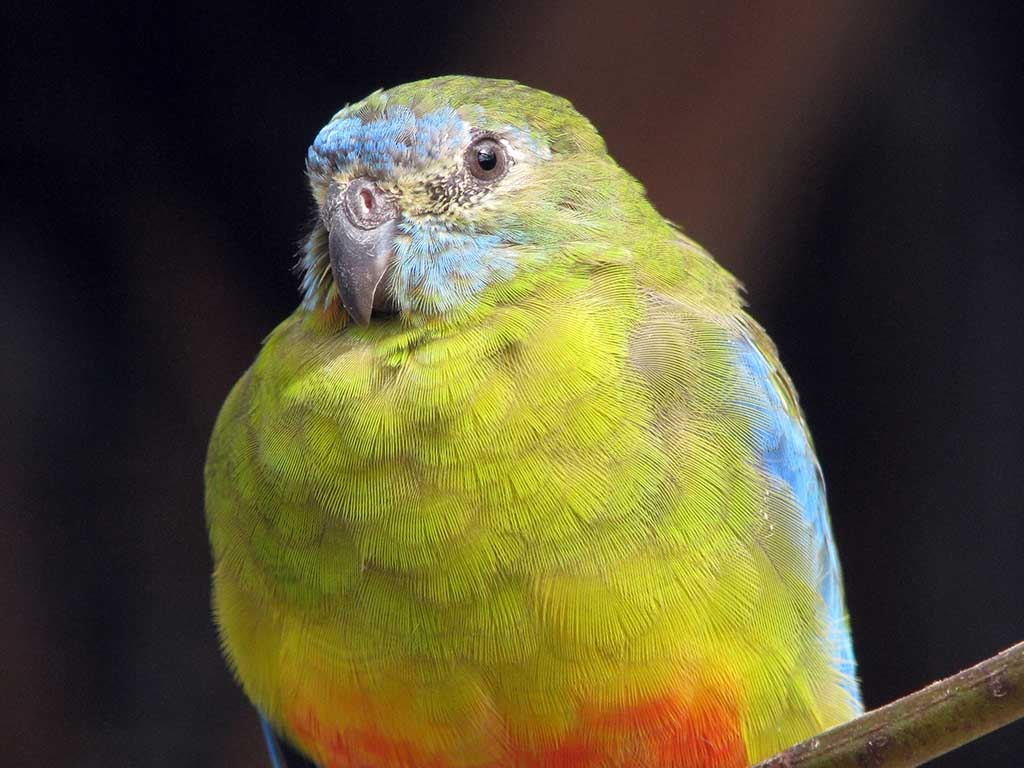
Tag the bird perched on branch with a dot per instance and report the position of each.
(519, 482)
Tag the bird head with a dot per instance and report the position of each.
(431, 193)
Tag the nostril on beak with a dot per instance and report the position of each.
(360, 219)
(366, 206)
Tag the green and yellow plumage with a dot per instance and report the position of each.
(534, 519)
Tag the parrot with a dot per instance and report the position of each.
(520, 483)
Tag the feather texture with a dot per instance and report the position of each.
(567, 514)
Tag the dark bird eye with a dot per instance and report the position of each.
(486, 159)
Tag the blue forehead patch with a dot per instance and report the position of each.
(396, 137)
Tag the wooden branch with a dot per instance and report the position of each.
(923, 725)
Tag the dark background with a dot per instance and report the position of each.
(860, 166)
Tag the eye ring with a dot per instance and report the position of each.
(486, 159)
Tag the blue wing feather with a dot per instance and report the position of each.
(786, 453)
(281, 755)
(273, 747)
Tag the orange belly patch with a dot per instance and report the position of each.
(659, 733)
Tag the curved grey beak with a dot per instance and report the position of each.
(360, 221)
